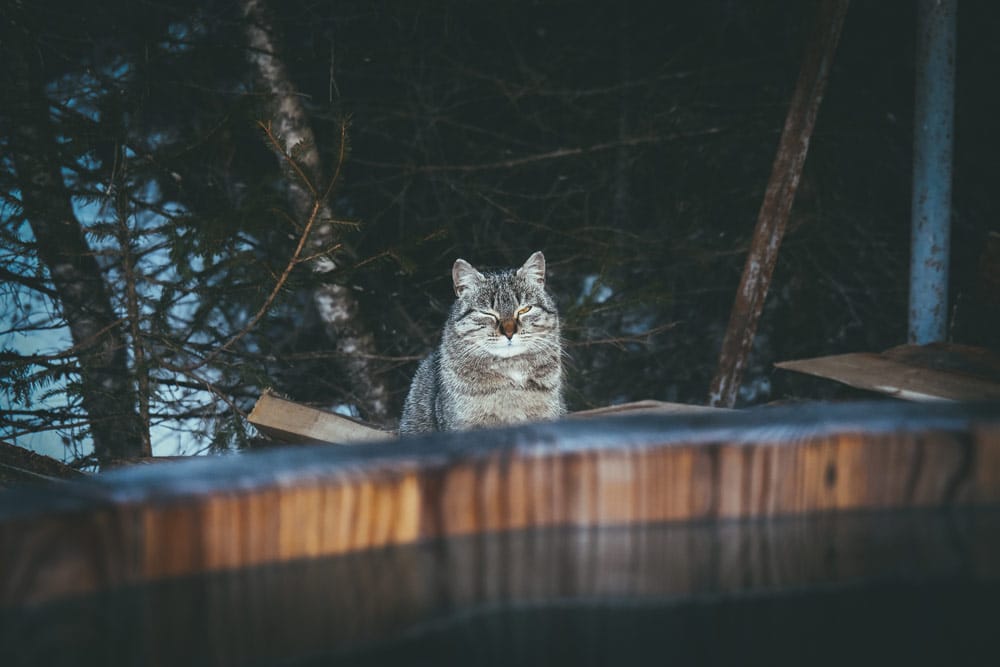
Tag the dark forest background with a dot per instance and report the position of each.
(630, 141)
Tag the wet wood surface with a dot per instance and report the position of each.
(280, 612)
(224, 514)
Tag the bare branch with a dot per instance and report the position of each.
(557, 154)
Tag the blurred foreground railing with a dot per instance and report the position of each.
(314, 546)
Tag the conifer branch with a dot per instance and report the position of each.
(296, 258)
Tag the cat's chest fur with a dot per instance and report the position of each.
(503, 394)
(516, 378)
(503, 407)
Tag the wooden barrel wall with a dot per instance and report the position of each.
(383, 536)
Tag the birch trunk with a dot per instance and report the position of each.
(336, 304)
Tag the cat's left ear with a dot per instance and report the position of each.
(465, 277)
(534, 269)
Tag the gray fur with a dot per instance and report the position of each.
(493, 366)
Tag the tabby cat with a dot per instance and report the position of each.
(500, 356)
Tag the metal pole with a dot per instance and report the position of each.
(933, 131)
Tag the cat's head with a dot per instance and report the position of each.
(504, 313)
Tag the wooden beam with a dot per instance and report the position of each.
(912, 372)
(644, 408)
(288, 421)
(291, 422)
(23, 466)
(777, 204)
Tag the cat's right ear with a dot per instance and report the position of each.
(465, 276)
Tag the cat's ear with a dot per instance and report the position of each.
(533, 270)
(465, 276)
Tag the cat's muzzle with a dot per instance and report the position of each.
(508, 328)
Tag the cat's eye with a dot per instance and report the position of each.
(524, 310)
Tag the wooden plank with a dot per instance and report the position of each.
(149, 523)
(895, 373)
(964, 360)
(289, 421)
(22, 466)
(645, 407)
(292, 422)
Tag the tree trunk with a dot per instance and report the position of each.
(336, 305)
(622, 199)
(107, 392)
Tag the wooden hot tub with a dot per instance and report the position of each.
(813, 534)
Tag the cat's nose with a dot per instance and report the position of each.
(508, 327)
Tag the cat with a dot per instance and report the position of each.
(500, 356)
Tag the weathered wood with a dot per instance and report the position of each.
(22, 466)
(292, 553)
(645, 407)
(291, 422)
(913, 372)
(962, 360)
(777, 204)
(212, 515)
(288, 421)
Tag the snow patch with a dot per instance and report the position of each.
(347, 410)
(594, 292)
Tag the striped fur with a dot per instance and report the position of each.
(500, 357)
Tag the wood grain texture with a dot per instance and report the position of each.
(643, 407)
(288, 421)
(291, 422)
(962, 360)
(215, 515)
